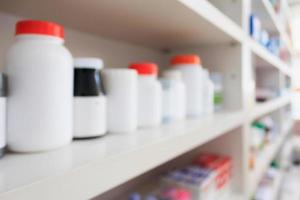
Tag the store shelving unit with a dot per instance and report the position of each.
(266, 157)
(280, 28)
(123, 31)
(92, 162)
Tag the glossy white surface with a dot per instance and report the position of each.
(87, 168)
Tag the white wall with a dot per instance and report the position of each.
(114, 53)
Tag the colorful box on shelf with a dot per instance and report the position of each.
(255, 27)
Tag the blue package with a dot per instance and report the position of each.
(135, 196)
(251, 28)
(151, 197)
(255, 27)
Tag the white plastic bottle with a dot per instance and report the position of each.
(149, 95)
(178, 93)
(217, 80)
(89, 99)
(3, 93)
(40, 100)
(168, 99)
(208, 93)
(120, 86)
(192, 76)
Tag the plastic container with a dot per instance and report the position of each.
(168, 103)
(179, 94)
(40, 101)
(121, 90)
(208, 93)
(89, 99)
(255, 27)
(3, 93)
(217, 80)
(149, 95)
(192, 76)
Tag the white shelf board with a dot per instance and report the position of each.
(87, 168)
(155, 23)
(270, 21)
(277, 184)
(276, 22)
(261, 109)
(235, 196)
(265, 158)
(267, 56)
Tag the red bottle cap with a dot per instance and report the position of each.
(145, 68)
(186, 59)
(39, 27)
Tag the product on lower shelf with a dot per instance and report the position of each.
(89, 100)
(169, 193)
(199, 181)
(208, 178)
(222, 167)
(263, 132)
(269, 185)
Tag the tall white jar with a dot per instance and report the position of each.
(40, 101)
(3, 93)
(149, 95)
(120, 86)
(192, 76)
(89, 99)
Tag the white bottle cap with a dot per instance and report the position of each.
(88, 63)
(172, 74)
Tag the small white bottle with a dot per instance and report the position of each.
(217, 80)
(40, 100)
(208, 93)
(3, 93)
(178, 93)
(168, 100)
(120, 86)
(149, 95)
(192, 76)
(89, 99)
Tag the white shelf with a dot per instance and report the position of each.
(276, 22)
(88, 168)
(261, 109)
(193, 22)
(265, 158)
(155, 23)
(273, 60)
(277, 184)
